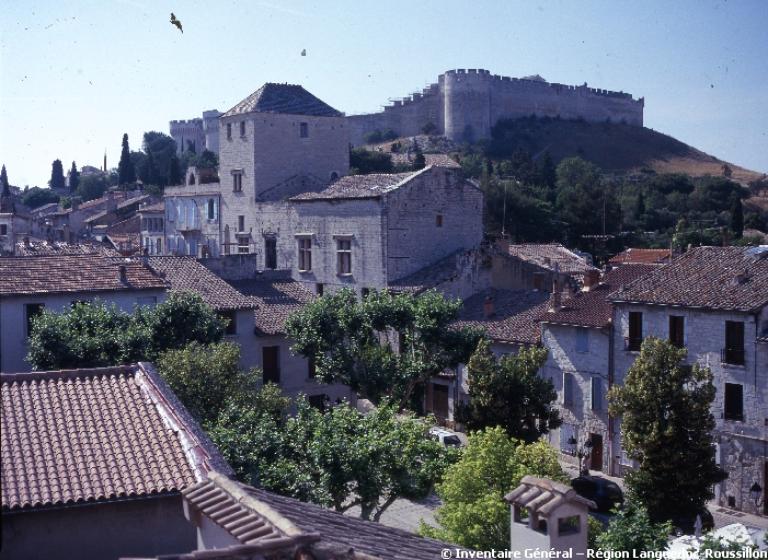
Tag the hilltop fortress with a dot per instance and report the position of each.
(464, 104)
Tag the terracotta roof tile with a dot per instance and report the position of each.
(96, 435)
(283, 98)
(358, 186)
(725, 278)
(50, 248)
(641, 256)
(515, 315)
(547, 255)
(73, 273)
(277, 300)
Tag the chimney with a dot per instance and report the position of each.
(591, 279)
(123, 274)
(488, 308)
(26, 241)
(556, 298)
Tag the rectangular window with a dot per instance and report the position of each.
(237, 182)
(734, 402)
(242, 244)
(230, 317)
(31, 311)
(303, 130)
(305, 254)
(241, 223)
(229, 131)
(567, 388)
(733, 353)
(582, 339)
(319, 289)
(311, 368)
(270, 362)
(635, 338)
(439, 220)
(596, 394)
(3, 229)
(270, 253)
(677, 330)
(344, 256)
(211, 209)
(242, 129)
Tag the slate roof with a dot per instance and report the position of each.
(255, 516)
(722, 278)
(358, 186)
(73, 273)
(546, 255)
(97, 435)
(283, 98)
(186, 273)
(593, 308)
(276, 300)
(515, 318)
(641, 256)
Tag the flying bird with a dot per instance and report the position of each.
(303, 52)
(176, 22)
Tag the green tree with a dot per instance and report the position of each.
(174, 171)
(429, 128)
(474, 513)
(149, 171)
(712, 546)
(419, 162)
(126, 169)
(362, 162)
(74, 178)
(36, 197)
(160, 148)
(666, 405)
(510, 393)
(737, 217)
(207, 160)
(340, 459)
(4, 185)
(631, 529)
(91, 187)
(57, 181)
(97, 334)
(342, 335)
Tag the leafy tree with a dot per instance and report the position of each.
(36, 197)
(91, 187)
(474, 513)
(712, 546)
(174, 171)
(419, 162)
(339, 459)
(373, 137)
(57, 181)
(149, 171)
(509, 393)
(547, 171)
(362, 162)
(665, 405)
(737, 217)
(74, 177)
(160, 148)
(342, 335)
(97, 334)
(389, 134)
(206, 377)
(207, 160)
(631, 529)
(126, 169)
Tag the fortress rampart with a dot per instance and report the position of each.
(464, 105)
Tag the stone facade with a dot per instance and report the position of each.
(200, 133)
(192, 221)
(464, 104)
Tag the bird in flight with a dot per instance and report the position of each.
(176, 22)
(303, 52)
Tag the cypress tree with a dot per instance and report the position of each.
(57, 181)
(737, 218)
(149, 173)
(419, 162)
(125, 170)
(4, 186)
(174, 171)
(74, 178)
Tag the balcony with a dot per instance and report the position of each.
(632, 343)
(732, 356)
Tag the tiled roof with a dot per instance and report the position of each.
(254, 516)
(725, 278)
(156, 207)
(283, 98)
(137, 200)
(547, 255)
(131, 225)
(432, 276)
(276, 300)
(186, 273)
(592, 308)
(97, 435)
(49, 248)
(641, 256)
(515, 315)
(73, 273)
(542, 496)
(438, 160)
(358, 186)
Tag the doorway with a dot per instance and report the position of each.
(596, 462)
(440, 401)
(270, 252)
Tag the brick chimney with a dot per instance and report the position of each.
(123, 273)
(488, 307)
(591, 279)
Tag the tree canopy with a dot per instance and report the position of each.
(362, 162)
(666, 405)
(474, 513)
(36, 197)
(57, 182)
(630, 530)
(343, 336)
(510, 393)
(126, 169)
(74, 177)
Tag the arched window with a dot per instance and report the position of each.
(191, 177)
(211, 209)
(334, 176)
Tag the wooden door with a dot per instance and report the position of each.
(440, 401)
(596, 463)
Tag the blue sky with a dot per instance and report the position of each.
(75, 75)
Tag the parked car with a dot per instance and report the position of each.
(604, 493)
(446, 437)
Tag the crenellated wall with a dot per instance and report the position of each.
(465, 104)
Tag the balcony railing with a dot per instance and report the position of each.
(632, 344)
(733, 356)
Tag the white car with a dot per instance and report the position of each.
(446, 437)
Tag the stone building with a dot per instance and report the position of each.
(94, 462)
(464, 104)
(15, 221)
(712, 301)
(152, 229)
(198, 134)
(193, 223)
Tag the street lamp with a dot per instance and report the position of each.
(754, 492)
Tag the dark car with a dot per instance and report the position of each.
(604, 493)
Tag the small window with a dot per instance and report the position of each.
(31, 311)
(364, 292)
(596, 394)
(270, 253)
(733, 353)
(3, 229)
(568, 388)
(582, 339)
(344, 256)
(211, 209)
(230, 317)
(270, 362)
(191, 179)
(439, 220)
(243, 245)
(635, 338)
(237, 182)
(334, 176)
(303, 130)
(318, 402)
(241, 223)
(677, 330)
(319, 289)
(242, 129)
(229, 131)
(569, 525)
(734, 402)
(159, 246)
(305, 254)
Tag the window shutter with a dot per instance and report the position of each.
(596, 394)
(567, 388)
